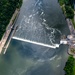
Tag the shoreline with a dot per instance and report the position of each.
(70, 64)
(12, 32)
(71, 29)
(8, 31)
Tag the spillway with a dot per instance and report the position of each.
(37, 43)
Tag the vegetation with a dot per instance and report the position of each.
(70, 66)
(73, 23)
(69, 12)
(7, 8)
(72, 50)
(66, 2)
(61, 2)
(69, 8)
(74, 68)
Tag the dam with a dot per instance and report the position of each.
(37, 43)
(39, 21)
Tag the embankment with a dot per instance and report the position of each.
(8, 31)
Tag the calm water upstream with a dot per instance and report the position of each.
(40, 21)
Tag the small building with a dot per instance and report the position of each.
(71, 37)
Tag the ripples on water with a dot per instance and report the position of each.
(34, 27)
(40, 21)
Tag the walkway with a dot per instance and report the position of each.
(71, 27)
(8, 30)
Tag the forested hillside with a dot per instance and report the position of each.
(68, 8)
(7, 8)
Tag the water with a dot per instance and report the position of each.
(41, 21)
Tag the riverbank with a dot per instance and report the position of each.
(7, 9)
(67, 7)
(69, 19)
(8, 30)
(71, 37)
(71, 25)
(70, 64)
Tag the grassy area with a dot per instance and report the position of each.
(73, 23)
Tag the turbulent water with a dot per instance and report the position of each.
(39, 21)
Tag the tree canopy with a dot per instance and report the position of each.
(7, 8)
(69, 66)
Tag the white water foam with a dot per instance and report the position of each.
(37, 43)
(53, 57)
(36, 2)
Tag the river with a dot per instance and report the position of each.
(40, 21)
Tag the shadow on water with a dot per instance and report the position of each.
(30, 51)
(28, 59)
(7, 57)
(25, 51)
(34, 51)
(44, 69)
